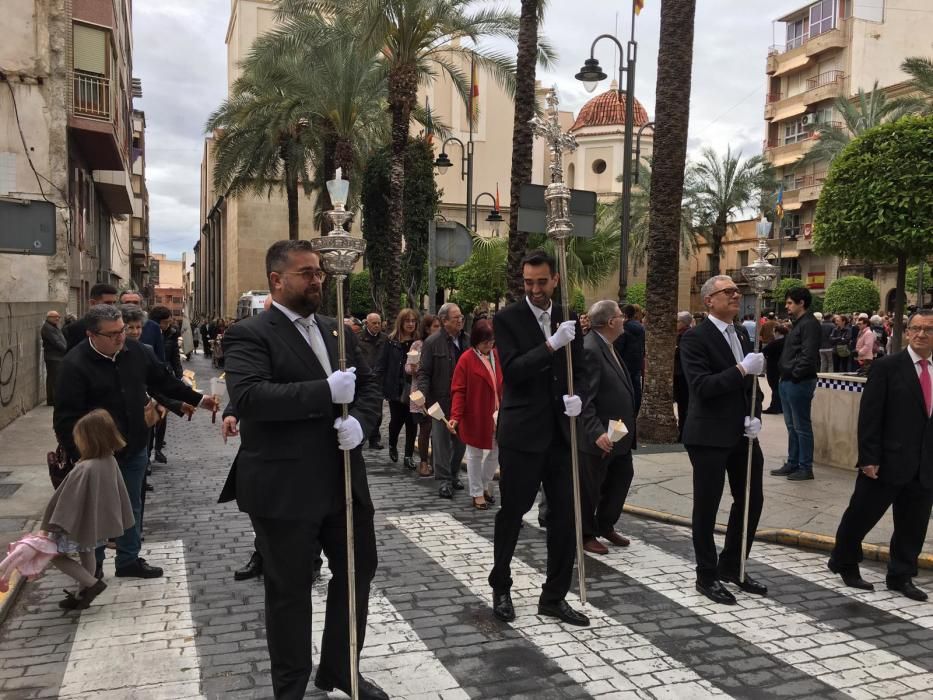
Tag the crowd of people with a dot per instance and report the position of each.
(496, 397)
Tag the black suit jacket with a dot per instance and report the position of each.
(720, 396)
(534, 380)
(289, 465)
(610, 396)
(894, 431)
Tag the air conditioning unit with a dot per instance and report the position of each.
(808, 120)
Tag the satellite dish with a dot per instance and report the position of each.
(452, 244)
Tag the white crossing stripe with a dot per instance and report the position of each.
(136, 634)
(628, 665)
(811, 566)
(853, 666)
(393, 657)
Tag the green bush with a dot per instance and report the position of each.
(578, 301)
(361, 301)
(779, 293)
(849, 295)
(636, 294)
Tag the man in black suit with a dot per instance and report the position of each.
(895, 457)
(534, 435)
(720, 368)
(607, 466)
(281, 377)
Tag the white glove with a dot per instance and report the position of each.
(349, 432)
(754, 363)
(564, 334)
(573, 405)
(342, 385)
(752, 427)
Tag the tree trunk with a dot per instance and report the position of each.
(522, 139)
(899, 301)
(672, 105)
(291, 192)
(403, 86)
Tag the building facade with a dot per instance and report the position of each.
(66, 94)
(831, 48)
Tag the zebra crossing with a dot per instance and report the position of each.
(431, 634)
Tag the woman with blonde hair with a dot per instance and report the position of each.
(396, 383)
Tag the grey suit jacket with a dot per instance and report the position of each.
(609, 396)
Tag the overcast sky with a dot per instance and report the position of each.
(180, 56)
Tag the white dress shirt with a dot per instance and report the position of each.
(915, 358)
(311, 333)
(545, 327)
(724, 327)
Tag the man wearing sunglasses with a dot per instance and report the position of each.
(720, 369)
(107, 371)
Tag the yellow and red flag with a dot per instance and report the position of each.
(639, 5)
(474, 93)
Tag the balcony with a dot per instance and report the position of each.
(833, 39)
(700, 277)
(825, 86)
(779, 154)
(92, 121)
(798, 52)
(810, 188)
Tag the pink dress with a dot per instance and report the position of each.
(29, 555)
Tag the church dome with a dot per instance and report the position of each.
(608, 109)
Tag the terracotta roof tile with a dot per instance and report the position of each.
(607, 109)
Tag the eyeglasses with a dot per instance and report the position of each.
(308, 273)
(921, 330)
(113, 335)
(728, 291)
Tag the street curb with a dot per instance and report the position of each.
(789, 537)
(8, 599)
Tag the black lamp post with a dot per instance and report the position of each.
(638, 149)
(443, 162)
(590, 75)
(494, 217)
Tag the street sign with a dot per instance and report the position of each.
(532, 214)
(452, 244)
(27, 227)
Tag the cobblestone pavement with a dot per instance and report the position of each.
(197, 633)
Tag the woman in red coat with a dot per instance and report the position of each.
(476, 390)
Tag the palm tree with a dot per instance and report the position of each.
(262, 142)
(718, 189)
(665, 229)
(920, 70)
(866, 110)
(416, 39)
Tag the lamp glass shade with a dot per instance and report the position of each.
(590, 74)
(338, 191)
(494, 216)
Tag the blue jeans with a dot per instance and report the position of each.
(796, 400)
(133, 468)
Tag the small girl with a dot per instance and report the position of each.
(90, 506)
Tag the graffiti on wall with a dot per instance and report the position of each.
(9, 356)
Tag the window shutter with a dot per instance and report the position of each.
(90, 52)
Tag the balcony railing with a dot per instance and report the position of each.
(801, 181)
(92, 96)
(796, 42)
(833, 77)
(774, 97)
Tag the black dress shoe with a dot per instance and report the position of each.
(502, 606)
(393, 453)
(749, 585)
(563, 612)
(252, 569)
(445, 492)
(716, 592)
(851, 577)
(908, 588)
(159, 457)
(139, 569)
(368, 689)
(409, 463)
(376, 445)
(784, 470)
(99, 572)
(148, 487)
(457, 484)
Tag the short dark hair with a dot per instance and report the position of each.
(799, 294)
(540, 257)
(100, 313)
(101, 288)
(481, 332)
(160, 313)
(278, 253)
(426, 322)
(924, 313)
(629, 311)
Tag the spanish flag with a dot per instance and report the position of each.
(474, 93)
(779, 207)
(639, 5)
(429, 126)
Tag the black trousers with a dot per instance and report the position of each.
(376, 435)
(51, 379)
(288, 549)
(682, 397)
(400, 415)
(710, 467)
(521, 473)
(637, 389)
(604, 488)
(870, 500)
(774, 381)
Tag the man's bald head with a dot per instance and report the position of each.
(53, 317)
(374, 323)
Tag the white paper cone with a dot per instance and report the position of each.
(219, 388)
(417, 398)
(414, 357)
(617, 430)
(436, 412)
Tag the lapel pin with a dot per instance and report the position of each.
(334, 332)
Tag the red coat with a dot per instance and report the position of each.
(473, 399)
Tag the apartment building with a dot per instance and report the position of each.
(830, 48)
(66, 92)
(139, 222)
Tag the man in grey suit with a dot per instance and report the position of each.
(54, 348)
(607, 466)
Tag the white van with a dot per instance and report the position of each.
(251, 303)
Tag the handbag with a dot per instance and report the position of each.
(843, 350)
(60, 464)
(151, 414)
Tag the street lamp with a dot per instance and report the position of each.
(494, 217)
(443, 162)
(590, 74)
(638, 149)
